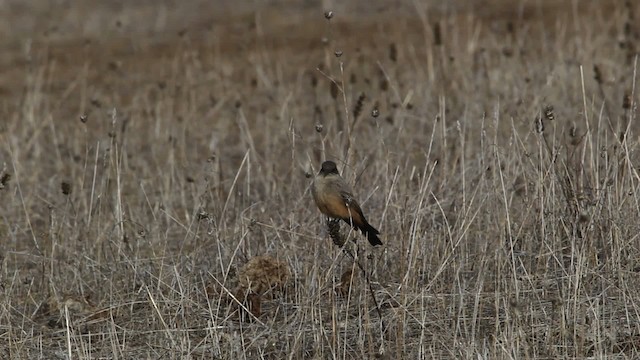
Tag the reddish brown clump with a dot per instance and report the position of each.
(259, 276)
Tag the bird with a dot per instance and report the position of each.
(335, 199)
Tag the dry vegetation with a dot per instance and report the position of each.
(150, 150)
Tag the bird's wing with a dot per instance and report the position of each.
(351, 203)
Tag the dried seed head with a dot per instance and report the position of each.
(597, 74)
(202, 215)
(66, 188)
(333, 225)
(357, 109)
(4, 180)
(548, 112)
(393, 52)
(626, 101)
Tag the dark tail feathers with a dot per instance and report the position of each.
(371, 233)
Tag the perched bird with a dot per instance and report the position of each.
(334, 199)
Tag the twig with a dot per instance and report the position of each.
(333, 225)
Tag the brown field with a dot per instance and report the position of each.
(156, 159)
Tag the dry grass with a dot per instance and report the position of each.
(147, 153)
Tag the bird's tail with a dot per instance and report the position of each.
(371, 233)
